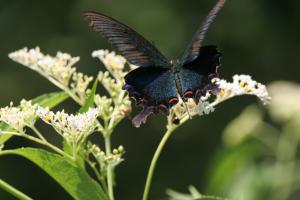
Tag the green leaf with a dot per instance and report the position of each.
(89, 102)
(194, 195)
(51, 99)
(46, 100)
(4, 138)
(66, 147)
(71, 177)
(80, 159)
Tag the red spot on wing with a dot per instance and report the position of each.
(198, 93)
(197, 96)
(188, 94)
(163, 106)
(173, 101)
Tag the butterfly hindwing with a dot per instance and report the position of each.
(136, 49)
(196, 76)
(151, 86)
(153, 89)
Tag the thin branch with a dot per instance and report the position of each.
(13, 191)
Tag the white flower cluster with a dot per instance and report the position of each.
(59, 69)
(106, 104)
(19, 117)
(80, 84)
(74, 128)
(112, 85)
(113, 62)
(118, 104)
(204, 108)
(105, 160)
(242, 85)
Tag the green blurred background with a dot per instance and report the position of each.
(256, 37)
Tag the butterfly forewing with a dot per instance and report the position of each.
(136, 49)
(192, 52)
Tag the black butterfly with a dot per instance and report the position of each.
(156, 84)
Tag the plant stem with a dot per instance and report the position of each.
(170, 129)
(64, 88)
(37, 140)
(109, 168)
(98, 175)
(157, 153)
(38, 133)
(13, 191)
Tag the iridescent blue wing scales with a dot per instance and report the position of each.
(153, 89)
(151, 86)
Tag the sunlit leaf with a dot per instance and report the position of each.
(51, 99)
(71, 177)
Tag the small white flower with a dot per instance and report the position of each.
(59, 67)
(19, 117)
(29, 112)
(74, 128)
(205, 108)
(27, 57)
(13, 117)
(111, 61)
(112, 86)
(117, 105)
(242, 85)
(59, 70)
(80, 84)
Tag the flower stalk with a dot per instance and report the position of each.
(170, 129)
(109, 168)
(13, 191)
(39, 141)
